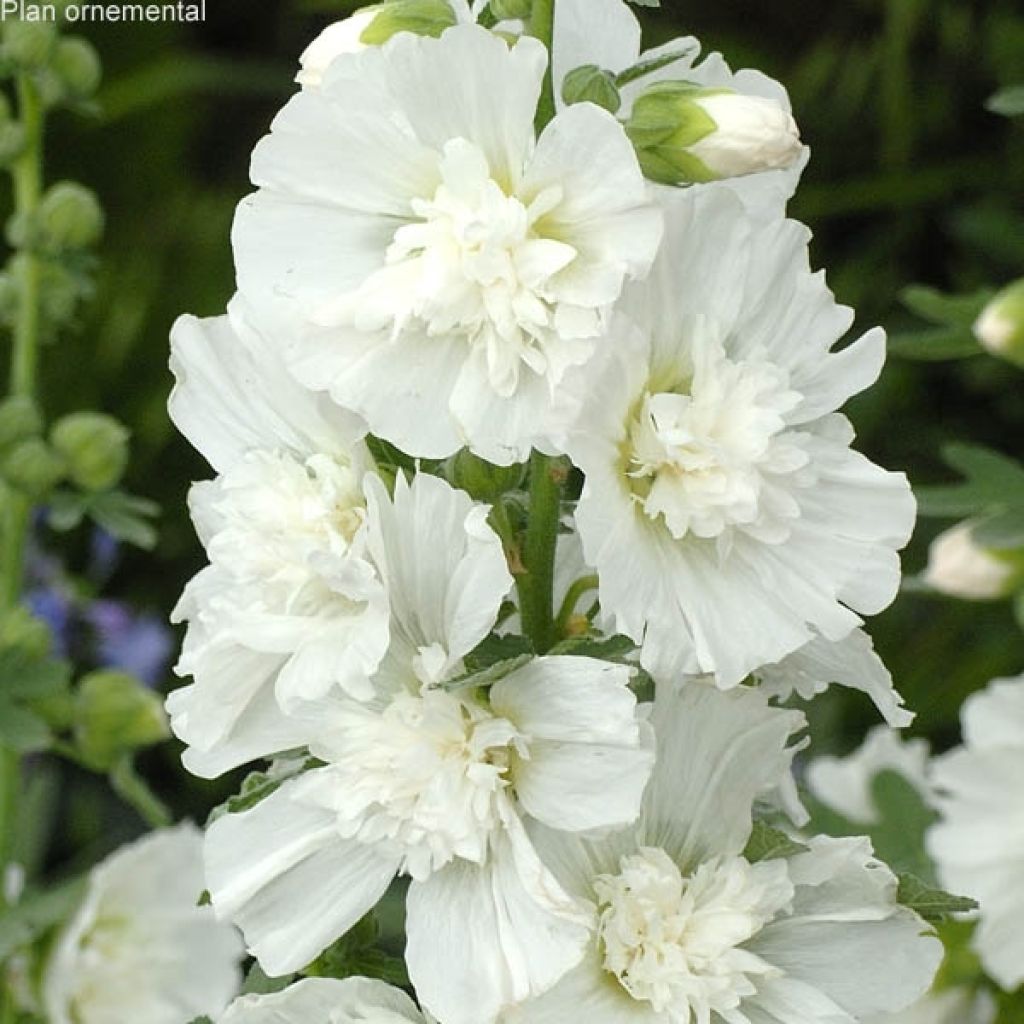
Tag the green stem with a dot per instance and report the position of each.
(542, 27)
(572, 597)
(535, 586)
(27, 173)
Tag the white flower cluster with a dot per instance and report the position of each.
(442, 256)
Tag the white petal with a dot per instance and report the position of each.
(850, 662)
(282, 873)
(717, 752)
(326, 1001)
(444, 568)
(481, 939)
(847, 936)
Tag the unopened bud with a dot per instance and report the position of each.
(32, 467)
(12, 142)
(341, 37)
(28, 44)
(591, 84)
(685, 133)
(1000, 328)
(483, 480)
(114, 715)
(421, 17)
(77, 65)
(19, 419)
(95, 447)
(960, 567)
(70, 217)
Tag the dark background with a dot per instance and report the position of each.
(911, 180)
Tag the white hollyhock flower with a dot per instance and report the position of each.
(289, 607)
(429, 777)
(960, 567)
(685, 930)
(978, 845)
(442, 267)
(327, 1001)
(139, 948)
(728, 518)
(607, 33)
(844, 783)
(952, 1006)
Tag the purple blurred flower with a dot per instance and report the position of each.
(136, 643)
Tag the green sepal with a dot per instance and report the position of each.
(421, 17)
(591, 84)
(768, 843)
(930, 903)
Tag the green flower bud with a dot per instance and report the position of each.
(70, 217)
(590, 84)
(20, 629)
(77, 65)
(482, 480)
(1000, 328)
(32, 467)
(511, 10)
(12, 142)
(114, 715)
(19, 420)
(28, 44)
(421, 17)
(61, 290)
(684, 133)
(95, 447)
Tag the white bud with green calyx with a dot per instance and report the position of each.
(959, 566)
(685, 133)
(1000, 328)
(371, 26)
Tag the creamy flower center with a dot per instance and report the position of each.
(475, 264)
(427, 773)
(283, 521)
(701, 457)
(676, 942)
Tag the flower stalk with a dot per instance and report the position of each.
(536, 585)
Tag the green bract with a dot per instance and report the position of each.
(591, 84)
(421, 17)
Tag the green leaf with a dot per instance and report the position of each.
(1002, 530)
(65, 510)
(646, 67)
(767, 843)
(490, 675)
(36, 913)
(257, 786)
(259, 983)
(904, 817)
(934, 344)
(495, 649)
(932, 904)
(993, 482)
(947, 310)
(1008, 101)
(22, 730)
(24, 675)
(357, 953)
(126, 517)
(592, 645)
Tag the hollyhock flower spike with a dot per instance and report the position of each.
(289, 607)
(724, 510)
(430, 777)
(440, 266)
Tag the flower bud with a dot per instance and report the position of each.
(12, 142)
(70, 217)
(95, 447)
(19, 420)
(114, 715)
(341, 37)
(77, 65)
(684, 133)
(32, 467)
(959, 567)
(371, 26)
(28, 44)
(20, 629)
(590, 84)
(1000, 328)
(482, 480)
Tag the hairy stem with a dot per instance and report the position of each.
(542, 27)
(535, 586)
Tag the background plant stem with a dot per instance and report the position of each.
(28, 187)
(536, 585)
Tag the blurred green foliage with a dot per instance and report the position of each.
(912, 180)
